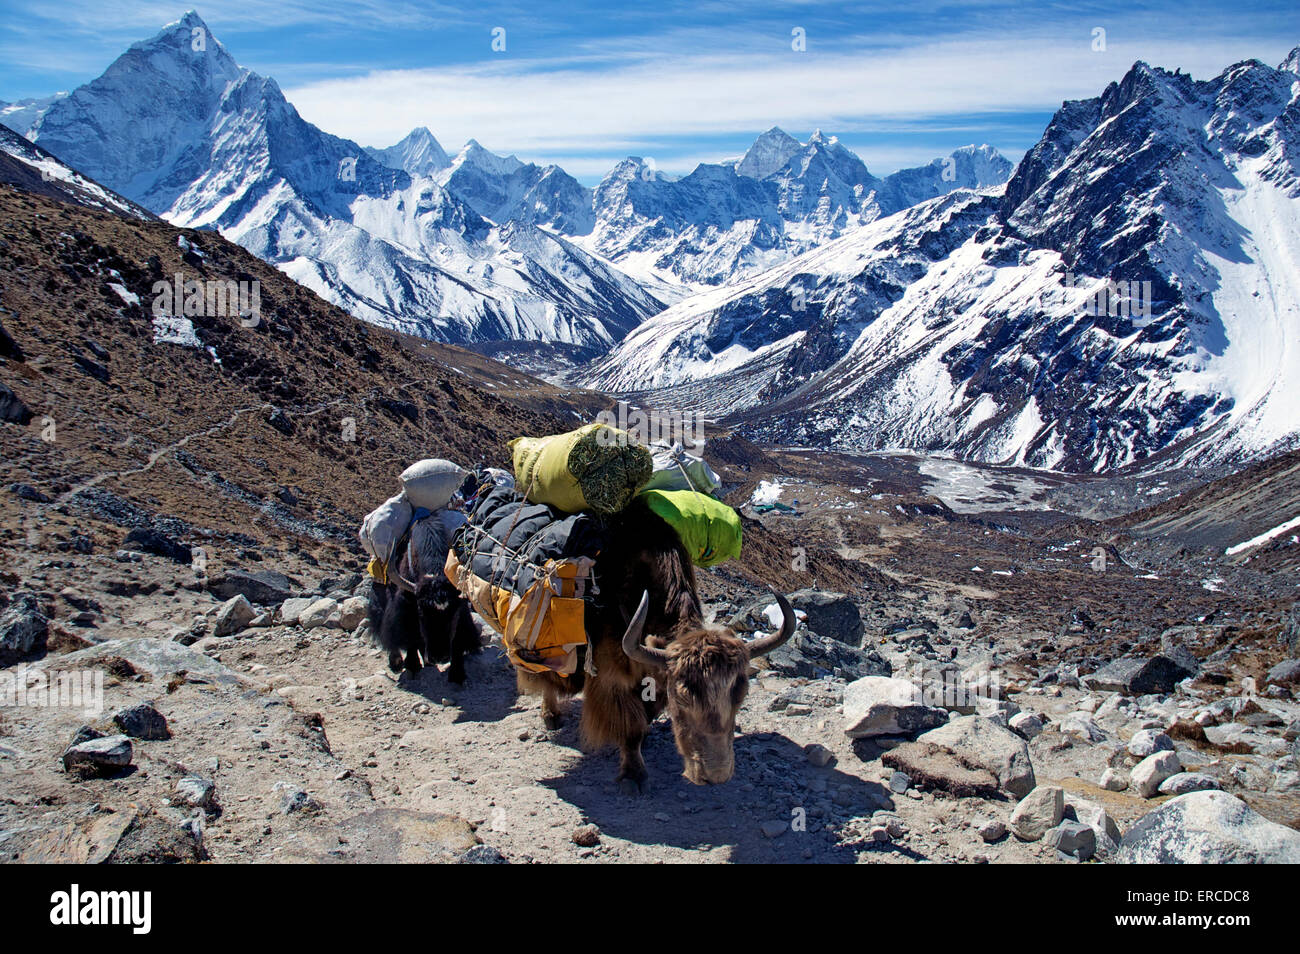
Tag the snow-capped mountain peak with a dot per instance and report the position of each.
(769, 153)
(1130, 292)
(176, 125)
(419, 153)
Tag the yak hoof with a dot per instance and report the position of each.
(457, 676)
(552, 720)
(630, 786)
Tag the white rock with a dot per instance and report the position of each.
(1208, 828)
(1185, 782)
(882, 705)
(1041, 809)
(1113, 780)
(1082, 727)
(352, 612)
(1147, 775)
(1027, 725)
(318, 613)
(194, 791)
(1148, 742)
(1095, 817)
(234, 616)
(291, 610)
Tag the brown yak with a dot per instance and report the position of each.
(695, 670)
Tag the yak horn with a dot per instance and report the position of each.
(649, 655)
(765, 644)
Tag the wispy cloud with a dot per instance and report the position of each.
(541, 108)
(585, 82)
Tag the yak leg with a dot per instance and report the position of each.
(536, 684)
(632, 772)
(613, 712)
(464, 638)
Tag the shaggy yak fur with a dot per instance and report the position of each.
(434, 622)
(697, 671)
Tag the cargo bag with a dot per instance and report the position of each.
(429, 484)
(382, 531)
(596, 468)
(708, 528)
(675, 469)
(528, 570)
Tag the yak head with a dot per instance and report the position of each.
(705, 671)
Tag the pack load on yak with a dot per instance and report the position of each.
(596, 468)
(527, 569)
(428, 489)
(708, 528)
(675, 469)
(528, 557)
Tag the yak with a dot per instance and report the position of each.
(697, 671)
(420, 614)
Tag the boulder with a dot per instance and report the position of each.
(881, 705)
(1285, 673)
(1081, 726)
(291, 610)
(1073, 838)
(833, 615)
(1148, 742)
(145, 540)
(28, 492)
(194, 792)
(1232, 737)
(970, 756)
(142, 721)
(318, 613)
(234, 616)
(1185, 782)
(23, 629)
(1147, 775)
(1113, 780)
(264, 587)
(12, 408)
(102, 756)
(1095, 817)
(352, 612)
(1208, 828)
(1039, 811)
(810, 656)
(1027, 725)
(89, 840)
(1143, 675)
(1000, 711)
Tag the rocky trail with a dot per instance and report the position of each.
(287, 739)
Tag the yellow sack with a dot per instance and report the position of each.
(595, 468)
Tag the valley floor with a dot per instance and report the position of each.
(318, 753)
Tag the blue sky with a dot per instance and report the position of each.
(584, 84)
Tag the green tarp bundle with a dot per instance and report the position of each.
(708, 528)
